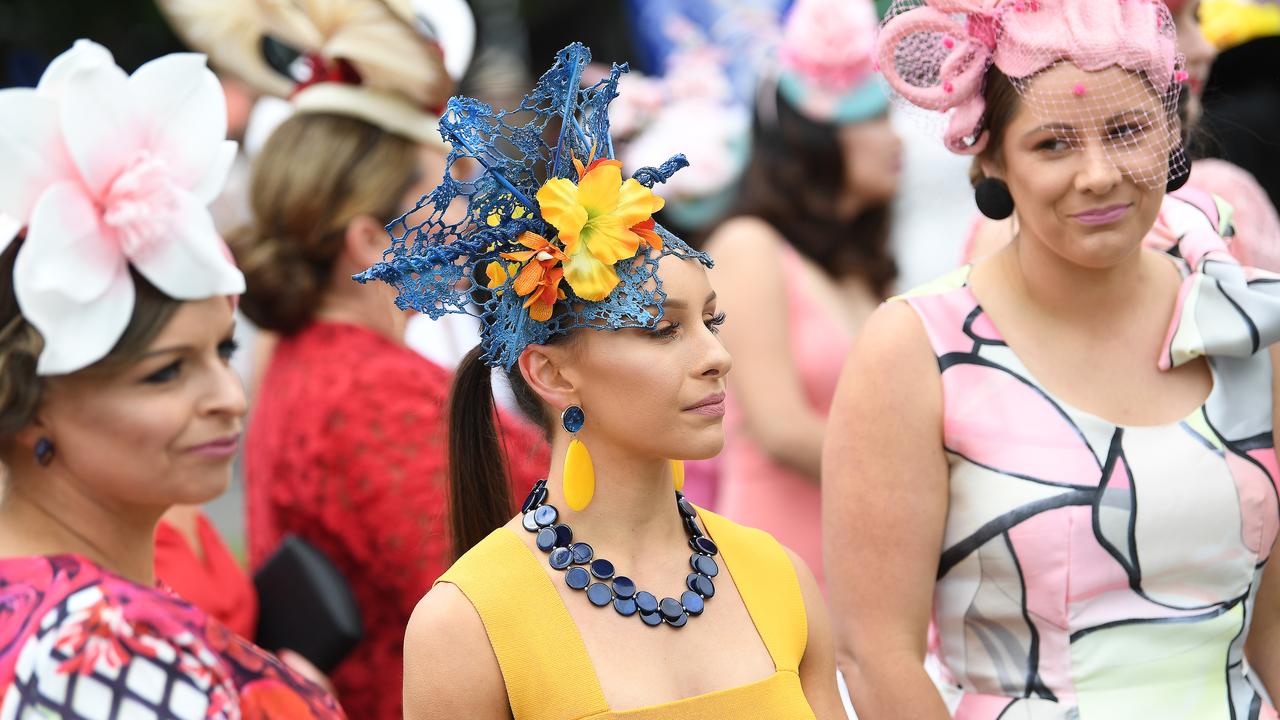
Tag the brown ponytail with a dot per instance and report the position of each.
(479, 493)
(479, 489)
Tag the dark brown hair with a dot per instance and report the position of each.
(794, 182)
(479, 487)
(20, 344)
(316, 173)
(1001, 99)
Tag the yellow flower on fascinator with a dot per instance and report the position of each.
(1227, 23)
(601, 220)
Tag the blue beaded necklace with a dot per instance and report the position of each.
(583, 571)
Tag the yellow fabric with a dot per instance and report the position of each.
(545, 665)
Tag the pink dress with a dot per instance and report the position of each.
(754, 489)
(1090, 570)
(80, 643)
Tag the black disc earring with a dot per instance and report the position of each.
(44, 451)
(1179, 169)
(992, 198)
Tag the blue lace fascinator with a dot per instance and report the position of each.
(552, 237)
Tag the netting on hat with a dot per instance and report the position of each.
(1105, 75)
(443, 249)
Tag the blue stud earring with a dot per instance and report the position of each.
(578, 475)
(44, 451)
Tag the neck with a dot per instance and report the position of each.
(633, 509)
(44, 512)
(369, 306)
(1071, 292)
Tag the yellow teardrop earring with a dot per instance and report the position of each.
(677, 474)
(579, 475)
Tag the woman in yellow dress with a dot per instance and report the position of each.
(608, 595)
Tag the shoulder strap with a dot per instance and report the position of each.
(544, 663)
(767, 581)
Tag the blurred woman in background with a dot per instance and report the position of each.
(806, 255)
(346, 445)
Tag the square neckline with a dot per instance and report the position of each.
(595, 677)
(1186, 420)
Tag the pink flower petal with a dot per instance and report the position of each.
(31, 151)
(190, 262)
(71, 282)
(99, 125)
(183, 113)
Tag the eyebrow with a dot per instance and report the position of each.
(181, 348)
(1068, 127)
(681, 305)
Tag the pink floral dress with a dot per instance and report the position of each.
(77, 642)
(1094, 571)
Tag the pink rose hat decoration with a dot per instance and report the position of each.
(106, 171)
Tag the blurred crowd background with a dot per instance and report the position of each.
(832, 202)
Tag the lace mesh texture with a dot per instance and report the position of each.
(437, 251)
(1120, 98)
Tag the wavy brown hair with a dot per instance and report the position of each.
(794, 182)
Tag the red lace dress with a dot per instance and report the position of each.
(347, 448)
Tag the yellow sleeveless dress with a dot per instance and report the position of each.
(538, 646)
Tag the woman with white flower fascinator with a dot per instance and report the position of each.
(116, 300)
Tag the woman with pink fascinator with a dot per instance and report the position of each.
(116, 299)
(1256, 240)
(806, 254)
(1051, 476)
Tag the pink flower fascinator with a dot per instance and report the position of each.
(108, 171)
(935, 53)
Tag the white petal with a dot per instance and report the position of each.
(83, 54)
(31, 151)
(99, 125)
(191, 262)
(70, 282)
(180, 103)
(210, 186)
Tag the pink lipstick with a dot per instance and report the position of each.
(216, 449)
(712, 405)
(1103, 215)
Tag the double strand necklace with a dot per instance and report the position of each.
(583, 571)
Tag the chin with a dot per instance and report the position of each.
(198, 488)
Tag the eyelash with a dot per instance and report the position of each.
(226, 349)
(670, 331)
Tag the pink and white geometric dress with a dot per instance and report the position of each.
(1094, 571)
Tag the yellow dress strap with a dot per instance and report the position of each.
(544, 663)
(767, 581)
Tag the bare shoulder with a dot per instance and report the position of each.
(808, 588)
(745, 236)
(892, 335)
(450, 670)
(818, 665)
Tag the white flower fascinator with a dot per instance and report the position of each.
(105, 171)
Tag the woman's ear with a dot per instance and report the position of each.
(363, 241)
(544, 370)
